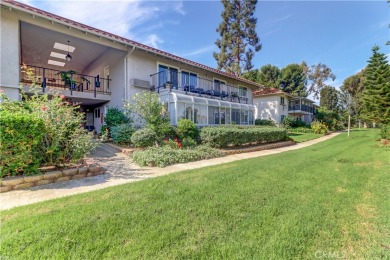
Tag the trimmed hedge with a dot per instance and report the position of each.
(21, 139)
(166, 155)
(305, 130)
(226, 136)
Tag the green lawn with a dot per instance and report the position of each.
(302, 137)
(327, 199)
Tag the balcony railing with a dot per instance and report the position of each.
(66, 80)
(304, 108)
(189, 83)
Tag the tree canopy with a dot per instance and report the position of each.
(376, 94)
(329, 98)
(239, 40)
(293, 80)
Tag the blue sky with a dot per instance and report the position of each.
(339, 34)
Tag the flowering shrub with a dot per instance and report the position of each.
(319, 127)
(166, 155)
(121, 134)
(21, 138)
(64, 139)
(226, 136)
(144, 137)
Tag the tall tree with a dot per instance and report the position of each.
(376, 95)
(329, 98)
(352, 90)
(293, 80)
(317, 75)
(270, 76)
(252, 75)
(239, 40)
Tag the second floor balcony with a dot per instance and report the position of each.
(191, 84)
(69, 81)
(301, 108)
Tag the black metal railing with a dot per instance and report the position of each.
(189, 83)
(65, 80)
(298, 107)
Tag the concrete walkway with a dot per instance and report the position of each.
(121, 170)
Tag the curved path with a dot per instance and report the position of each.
(121, 170)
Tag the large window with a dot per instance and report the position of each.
(218, 84)
(167, 74)
(236, 116)
(189, 79)
(214, 116)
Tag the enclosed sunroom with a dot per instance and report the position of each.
(206, 111)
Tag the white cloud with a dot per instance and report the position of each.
(153, 40)
(179, 8)
(126, 18)
(198, 51)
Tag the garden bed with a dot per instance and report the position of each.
(255, 148)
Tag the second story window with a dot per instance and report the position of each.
(189, 79)
(218, 84)
(242, 91)
(282, 101)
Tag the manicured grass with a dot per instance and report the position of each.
(329, 198)
(302, 137)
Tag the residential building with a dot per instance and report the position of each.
(274, 104)
(98, 69)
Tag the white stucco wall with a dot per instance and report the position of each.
(269, 107)
(9, 66)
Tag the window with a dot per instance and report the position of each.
(214, 116)
(97, 112)
(236, 116)
(242, 91)
(282, 118)
(189, 114)
(218, 84)
(167, 74)
(189, 79)
(282, 100)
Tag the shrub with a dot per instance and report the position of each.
(288, 122)
(265, 122)
(121, 134)
(150, 111)
(187, 129)
(188, 143)
(144, 137)
(226, 136)
(21, 139)
(166, 155)
(114, 117)
(301, 130)
(319, 127)
(385, 131)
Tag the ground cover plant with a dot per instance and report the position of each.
(329, 198)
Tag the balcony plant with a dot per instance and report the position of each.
(66, 77)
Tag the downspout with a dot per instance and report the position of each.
(127, 73)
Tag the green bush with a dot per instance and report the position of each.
(188, 143)
(121, 134)
(301, 130)
(21, 139)
(226, 136)
(187, 129)
(265, 122)
(114, 117)
(288, 122)
(319, 127)
(166, 155)
(385, 132)
(144, 137)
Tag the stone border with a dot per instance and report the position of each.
(258, 148)
(25, 182)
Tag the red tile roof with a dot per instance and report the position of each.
(68, 22)
(267, 91)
